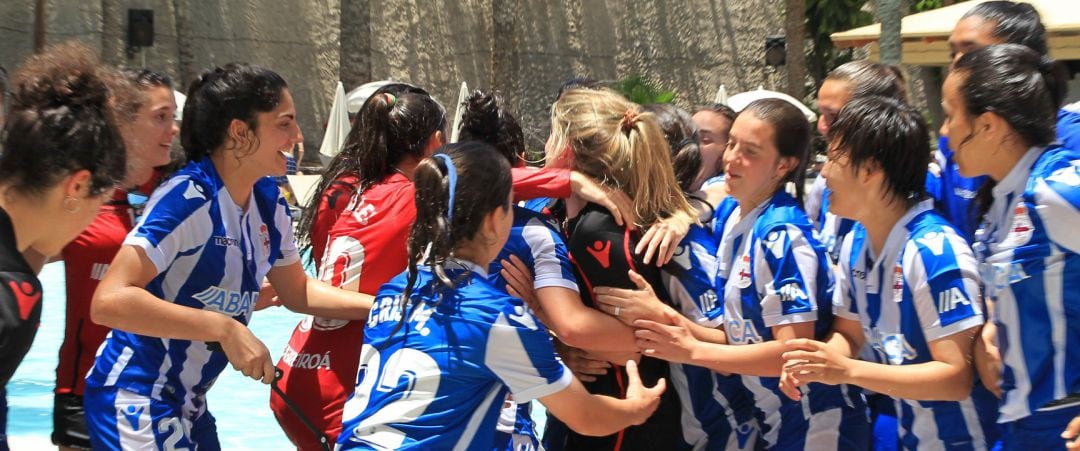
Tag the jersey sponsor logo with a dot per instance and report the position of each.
(226, 241)
(601, 251)
(1022, 228)
(132, 414)
(964, 193)
(792, 292)
(194, 191)
(998, 276)
(305, 360)
(228, 302)
(898, 283)
(742, 332)
(858, 274)
(708, 301)
(742, 272)
(935, 241)
(774, 242)
(951, 299)
(97, 272)
(26, 295)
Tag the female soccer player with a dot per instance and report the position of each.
(607, 137)
(907, 285)
(181, 290)
(717, 410)
(443, 346)
(1000, 104)
(62, 156)
(776, 286)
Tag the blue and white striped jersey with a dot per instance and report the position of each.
(953, 193)
(1029, 251)
(717, 410)
(210, 254)
(775, 273)
(439, 380)
(829, 229)
(536, 240)
(923, 287)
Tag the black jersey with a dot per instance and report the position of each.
(602, 252)
(20, 302)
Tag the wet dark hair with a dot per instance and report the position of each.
(1019, 85)
(392, 127)
(1014, 22)
(718, 108)
(682, 138)
(219, 95)
(889, 134)
(146, 78)
(1016, 83)
(487, 119)
(792, 134)
(60, 122)
(869, 78)
(483, 185)
(379, 138)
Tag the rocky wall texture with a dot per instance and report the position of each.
(524, 48)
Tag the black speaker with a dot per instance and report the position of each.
(140, 28)
(775, 51)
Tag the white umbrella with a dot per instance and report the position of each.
(739, 101)
(180, 99)
(458, 112)
(357, 97)
(337, 125)
(721, 96)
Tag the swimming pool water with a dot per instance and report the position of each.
(240, 405)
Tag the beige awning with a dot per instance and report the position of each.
(925, 35)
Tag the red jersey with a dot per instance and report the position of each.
(331, 203)
(366, 247)
(86, 258)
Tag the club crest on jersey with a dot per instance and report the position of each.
(742, 272)
(898, 283)
(264, 238)
(1021, 229)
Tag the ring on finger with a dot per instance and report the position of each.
(617, 310)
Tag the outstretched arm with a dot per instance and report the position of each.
(301, 294)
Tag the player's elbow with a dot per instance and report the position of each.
(587, 425)
(103, 307)
(959, 386)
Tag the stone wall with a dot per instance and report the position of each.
(523, 48)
